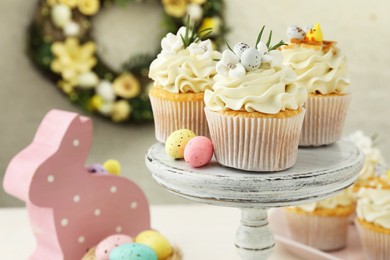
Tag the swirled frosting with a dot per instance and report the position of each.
(183, 72)
(343, 199)
(319, 69)
(374, 206)
(266, 90)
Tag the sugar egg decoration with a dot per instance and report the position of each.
(133, 251)
(156, 241)
(105, 247)
(198, 151)
(239, 48)
(177, 141)
(251, 59)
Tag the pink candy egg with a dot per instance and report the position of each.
(198, 151)
(104, 248)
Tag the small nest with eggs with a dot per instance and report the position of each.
(176, 254)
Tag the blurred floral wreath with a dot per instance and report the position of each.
(60, 43)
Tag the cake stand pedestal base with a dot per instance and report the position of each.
(254, 239)
(318, 174)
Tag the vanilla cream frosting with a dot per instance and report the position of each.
(319, 71)
(265, 90)
(183, 72)
(374, 206)
(343, 199)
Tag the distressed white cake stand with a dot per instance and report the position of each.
(318, 174)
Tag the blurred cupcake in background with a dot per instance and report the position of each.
(181, 73)
(323, 224)
(373, 218)
(322, 70)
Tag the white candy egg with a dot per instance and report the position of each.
(251, 59)
(295, 32)
(239, 48)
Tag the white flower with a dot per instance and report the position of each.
(61, 15)
(87, 79)
(202, 50)
(195, 12)
(106, 91)
(171, 43)
(274, 57)
(106, 108)
(361, 140)
(71, 29)
(230, 66)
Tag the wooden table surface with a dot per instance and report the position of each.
(203, 232)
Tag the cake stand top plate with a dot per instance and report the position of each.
(319, 173)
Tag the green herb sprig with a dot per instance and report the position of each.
(191, 36)
(268, 44)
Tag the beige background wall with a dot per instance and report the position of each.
(360, 27)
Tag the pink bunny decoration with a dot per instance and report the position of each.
(70, 209)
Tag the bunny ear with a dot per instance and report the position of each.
(58, 133)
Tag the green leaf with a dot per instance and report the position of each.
(230, 48)
(259, 36)
(269, 39)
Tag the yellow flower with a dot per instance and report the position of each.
(95, 102)
(388, 173)
(66, 86)
(126, 86)
(70, 3)
(211, 22)
(72, 59)
(88, 7)
(199, 2)
(120, 111)
(175, 8)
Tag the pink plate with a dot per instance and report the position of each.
(278, 225)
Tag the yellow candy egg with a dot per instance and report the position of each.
(113, 167)
(176, 142)
(156, 241)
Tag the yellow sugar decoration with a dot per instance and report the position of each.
(314, 34)
(113, 167)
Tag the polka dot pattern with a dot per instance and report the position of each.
(50, 178)
(76, 198)
(113, 189)
(64, 222)
(76, 142)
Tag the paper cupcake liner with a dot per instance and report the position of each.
(325, 233)
(170, 116)
(324, 120)
(255, 144)
(176, 254)
(376, 246)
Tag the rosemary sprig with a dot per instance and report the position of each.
(191, 36)
(259, 36)
(268, 44)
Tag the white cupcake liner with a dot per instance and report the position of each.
(255, 144)
(324, 120)
(376, 245)
(170, 116)
(327, 233)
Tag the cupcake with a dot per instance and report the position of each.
(181, 73)
(254, 112)
(373, 219)
(322, 69)
(323, 224)
(374, 164)
(148, 245)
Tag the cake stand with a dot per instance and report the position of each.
(318, 174)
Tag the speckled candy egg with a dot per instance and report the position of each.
(105, 247)
(97, 169)
(239, 48)
(133, 251)
(295, 32)
(176, 142)
(251, 59)
(156, 241)
(199, 151)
